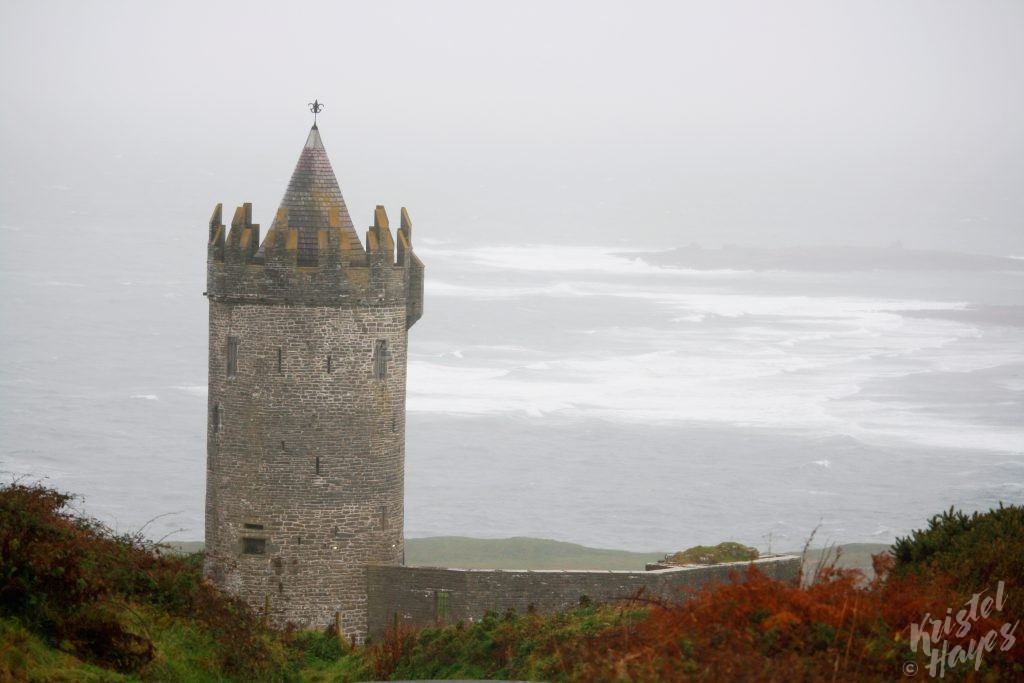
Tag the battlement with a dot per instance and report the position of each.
(338, 272)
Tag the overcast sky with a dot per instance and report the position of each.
(655, 124)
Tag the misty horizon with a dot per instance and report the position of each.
(659, 124)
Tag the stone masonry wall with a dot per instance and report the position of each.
(306, 421)
(412, 593)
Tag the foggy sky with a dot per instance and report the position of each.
(651, 124)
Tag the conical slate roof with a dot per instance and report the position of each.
(312, 191)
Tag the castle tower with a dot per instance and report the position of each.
(306, 428)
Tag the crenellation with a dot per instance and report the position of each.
(240, 269)
(241, 242)
(380, 243)
(217, 227)
(406, 225)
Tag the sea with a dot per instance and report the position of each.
(567, 391)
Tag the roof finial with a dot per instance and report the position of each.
(316, 107)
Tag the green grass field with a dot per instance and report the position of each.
(518, 553)
(540, 553)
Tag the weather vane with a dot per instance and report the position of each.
(316, 107)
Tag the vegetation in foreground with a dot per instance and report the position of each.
(78, 603)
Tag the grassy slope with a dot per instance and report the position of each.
(25, 656)
(539, 553)
(184, 652)
(503, 553)
(518, 553)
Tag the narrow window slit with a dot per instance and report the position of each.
(232, 356)
(318, 465)
(380, 359)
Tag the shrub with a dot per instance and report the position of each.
(974, 550)
(707, 554)
(56, 577)
(971, 553)
(73, 581)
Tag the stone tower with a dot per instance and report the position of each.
(306, 422)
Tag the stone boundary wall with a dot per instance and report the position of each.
(424, 596)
